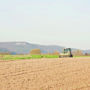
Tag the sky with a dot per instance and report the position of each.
(47, 22)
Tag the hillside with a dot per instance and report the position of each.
(25, 47)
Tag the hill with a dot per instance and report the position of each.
(25, 47)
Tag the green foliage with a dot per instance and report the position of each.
(15, 57)
(18, 57)
(51, 56)
(37, 56)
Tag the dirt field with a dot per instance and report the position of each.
(45, 74)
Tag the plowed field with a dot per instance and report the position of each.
(45, 74)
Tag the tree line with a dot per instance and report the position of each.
(38, 52)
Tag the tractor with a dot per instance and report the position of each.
(66, 53)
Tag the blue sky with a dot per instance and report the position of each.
(57, 22)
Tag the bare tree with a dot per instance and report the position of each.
(78, 53)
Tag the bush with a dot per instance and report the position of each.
(35, 52)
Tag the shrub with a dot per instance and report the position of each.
(35, 52)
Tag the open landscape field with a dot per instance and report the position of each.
(45, 74)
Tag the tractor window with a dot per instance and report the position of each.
(66, 50)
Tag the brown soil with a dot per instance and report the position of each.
(45, 74)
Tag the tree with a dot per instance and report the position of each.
(35, 52)
(56, 53)
(78, 53)
(5, 53)
(87, 54)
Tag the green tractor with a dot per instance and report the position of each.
(66, 53)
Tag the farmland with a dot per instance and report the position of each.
(45, 74)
